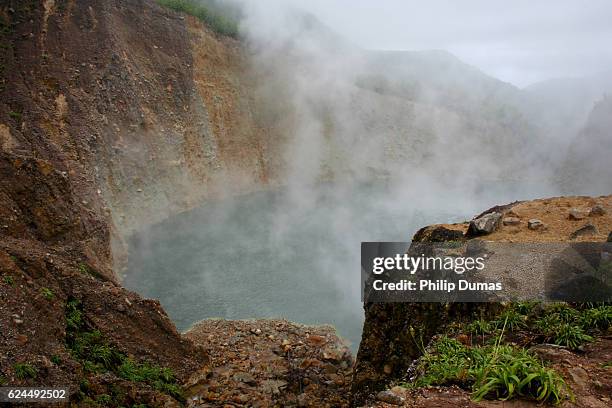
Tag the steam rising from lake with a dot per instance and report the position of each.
(367, 146)
(237, 259)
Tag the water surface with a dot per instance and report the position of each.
(281, 254)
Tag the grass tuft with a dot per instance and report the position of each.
(47, 293)
(24, 370)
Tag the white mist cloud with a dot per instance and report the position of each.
(517, 41)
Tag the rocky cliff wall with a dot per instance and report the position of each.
(394, 334)
(112, 114)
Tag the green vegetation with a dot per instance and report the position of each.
(15, 115)
(501, 371)
(556, 323)
(491, 369)
(512, 319)
(571, 327)
(480, 327)
(47, 293)
(104, 399)
(570, 335)
(218, 22)
(597, 318)
(87, 270)
(97, 356)
(24, 370)
(8, 279)
(55, 359)
(84, 268)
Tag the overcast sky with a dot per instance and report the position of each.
(519, 41)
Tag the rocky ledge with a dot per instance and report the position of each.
(270, 363)
(388, 349)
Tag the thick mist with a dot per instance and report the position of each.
(373, 145)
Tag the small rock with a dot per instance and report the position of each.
(46, 362)
(273, 386)
(511, 221)
(310, 362)
(588, 229)
(241, 399)
(302, 400)
(337, 379)
(387, 369)
(389, 397)
(256, 331)
(245, 378)
(580, 377)
(316, 340)
(485, 224)
(332, 355)
(535, 224)
(397, 390)
(553, 353)
(330, 369)
(576, 214)
(597, 211)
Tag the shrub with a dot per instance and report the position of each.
(508, 372)
(501, 372)
(479, 326)
(218, 22)
(47, 293)
(511, 319)
(104, 399)
(597, 318)
(566, 326)
(24, 370)
(570, 335)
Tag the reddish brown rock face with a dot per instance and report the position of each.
(66, 84)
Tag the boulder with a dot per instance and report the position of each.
(535, 224)
(576, 214)
(587, 229)
(597, 211)
(484, 224)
